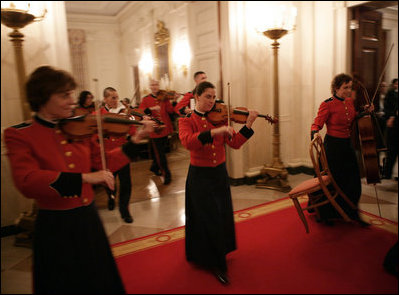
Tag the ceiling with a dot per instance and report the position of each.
(113, 8)
(97, 8)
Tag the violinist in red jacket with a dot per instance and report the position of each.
(156, 106)
(71, 252)
(209, 230)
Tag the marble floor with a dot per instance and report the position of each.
(156, 207)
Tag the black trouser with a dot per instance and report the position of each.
(159, 161)
(392, 146)
(125, 188)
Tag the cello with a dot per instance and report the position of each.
(367, 126)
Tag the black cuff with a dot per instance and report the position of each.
(181, 111)
(312, 133)
(174, 103)
(147, 111)
(246, 132)
(130, 150)
(205, 137)
(68, 184)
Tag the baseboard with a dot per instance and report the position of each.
(249, 180)
(10, 230)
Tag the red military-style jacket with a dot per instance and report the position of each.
(166, 108)
(338, 114)
(47, 167)
(183, 103)
(205, 151)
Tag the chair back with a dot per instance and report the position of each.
(318, 156)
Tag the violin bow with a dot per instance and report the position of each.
(382, 73)
(100, 134)
(228, 105)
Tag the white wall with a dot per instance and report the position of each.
(45, 43)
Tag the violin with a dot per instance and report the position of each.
(83, 110)
(138, 115)
(219, 114)
(167, 95)
(83, 126)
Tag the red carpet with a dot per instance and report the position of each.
(274, 255)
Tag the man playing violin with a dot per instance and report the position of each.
(209, 230)
(71, 252)
(111, 104)
(186, 104)
(155, 106)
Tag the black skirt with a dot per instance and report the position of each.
(210, 232)
(342, 161)
(71, 254)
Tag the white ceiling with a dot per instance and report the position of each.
(98, 8)
(112, 8)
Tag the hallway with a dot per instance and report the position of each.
(156, 207)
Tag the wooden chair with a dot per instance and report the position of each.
(324, 182)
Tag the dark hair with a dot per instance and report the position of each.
(202, 86)
(107, 90)
(82, 97)
(45, 81)
(198, 73)
(126, 99)
(394, 81)
(339, 80)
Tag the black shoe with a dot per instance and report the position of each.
(111, 204)
(127, 218)
(328, 222)
(221, 276)
(362, 223)
(167, 180)
(155, 171)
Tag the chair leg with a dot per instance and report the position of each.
(300, 213)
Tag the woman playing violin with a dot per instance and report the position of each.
(71, 252)
(338, 114)
(210, 232)
(85, 103)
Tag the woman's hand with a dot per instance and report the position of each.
(222, 131)
(103, 177)
(156, 108)
(144, 131)
(369, 108)
(251, 118)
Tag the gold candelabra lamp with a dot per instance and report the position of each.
(16, 17)
(280, 22)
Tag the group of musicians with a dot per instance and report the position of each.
(71, 250)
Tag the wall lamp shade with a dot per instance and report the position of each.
(182, 56)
